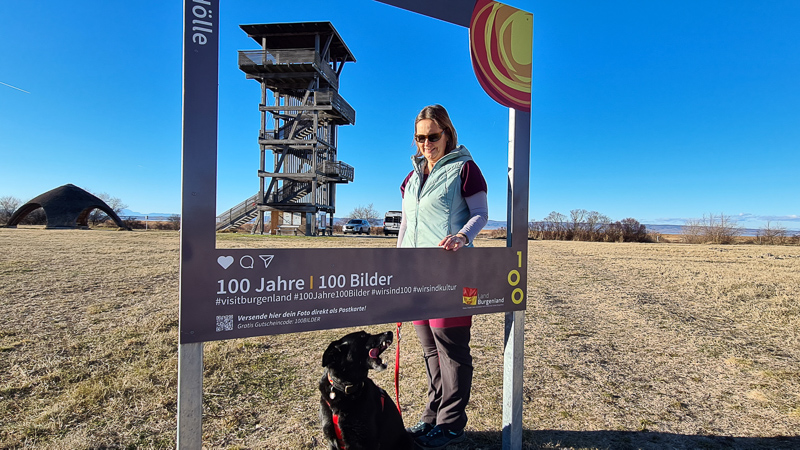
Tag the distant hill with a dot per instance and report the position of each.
(125, 213)
(665, 229)
(494, 224)
(676, 229)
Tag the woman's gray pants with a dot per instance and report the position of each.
(449, 365)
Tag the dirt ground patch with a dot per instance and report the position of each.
(626, 346)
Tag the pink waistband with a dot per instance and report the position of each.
(463, 321)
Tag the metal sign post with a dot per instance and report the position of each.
(199, 189)
(513, 356)
(190, 396)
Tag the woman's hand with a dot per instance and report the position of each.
(454, 242)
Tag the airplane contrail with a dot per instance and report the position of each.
(14, 87)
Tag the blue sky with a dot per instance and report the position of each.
(660, 110)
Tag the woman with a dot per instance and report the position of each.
(444, 204)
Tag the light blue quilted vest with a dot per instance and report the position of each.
(439, 208)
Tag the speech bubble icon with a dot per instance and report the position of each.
(243, 264)
(225, 261)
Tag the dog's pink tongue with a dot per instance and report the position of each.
(373, 353)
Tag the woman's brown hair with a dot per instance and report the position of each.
(439, 116)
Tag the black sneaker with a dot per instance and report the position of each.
(420, 429)
(439, 438)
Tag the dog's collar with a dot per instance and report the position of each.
(344, 387)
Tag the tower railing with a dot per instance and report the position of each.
(339, 169)
(242, 212)
(287, 61)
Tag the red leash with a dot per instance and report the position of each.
(397, 370)
(338, 431)
(335, 417)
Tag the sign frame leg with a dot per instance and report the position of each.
(512, 380)
(513, 353)
(190, 396)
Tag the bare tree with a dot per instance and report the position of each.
(632, 230)
(555, 226)
(364, 212)
(595, 225)
(693, 231)
(626, 230)
(772, 234)
(723, 229)
(116, 205)
(712, 229)
(35, 217)
(175, 221)
(8, 205)
(576, 218)
(585, 225)
(534, 229)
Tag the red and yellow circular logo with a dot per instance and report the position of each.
(501, 41)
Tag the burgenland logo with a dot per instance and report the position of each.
(470, 296)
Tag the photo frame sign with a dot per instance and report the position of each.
(236, 293)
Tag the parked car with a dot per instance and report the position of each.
(391, 223)
(356, 226)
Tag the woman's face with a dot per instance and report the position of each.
(432, 151)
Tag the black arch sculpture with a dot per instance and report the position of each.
(66, 207)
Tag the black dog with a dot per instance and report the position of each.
(355, 413)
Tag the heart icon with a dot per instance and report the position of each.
(225, 261)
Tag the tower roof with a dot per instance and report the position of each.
(299, 35)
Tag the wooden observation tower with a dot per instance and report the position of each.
(298, 67)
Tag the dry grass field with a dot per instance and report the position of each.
(628, 346)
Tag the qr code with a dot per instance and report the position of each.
(225, 323)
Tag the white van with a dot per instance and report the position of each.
(391, 222)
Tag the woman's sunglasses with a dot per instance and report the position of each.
(430, 137)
